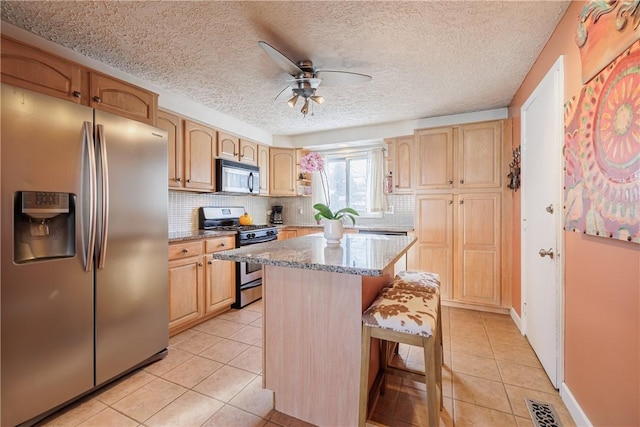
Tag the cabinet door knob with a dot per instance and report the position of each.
(189, 180)
(178, 179)
(461, 202)
(462, 181)
(199, 264)
(97, 99)
(449, 202)
(76, 94)
(450, 181)
(185, 250)
(222, 245)
(209, 262)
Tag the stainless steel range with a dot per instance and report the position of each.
(248, 275)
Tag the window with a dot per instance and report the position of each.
(347, 178)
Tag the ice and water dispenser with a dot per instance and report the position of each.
(44, 226)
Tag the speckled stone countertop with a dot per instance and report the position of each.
(364, 255)
(357, 227)
(198, 234)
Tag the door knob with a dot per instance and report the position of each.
(549, 209)
(544, 253)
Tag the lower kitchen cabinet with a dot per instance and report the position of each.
(186, 274)
(200, 287)
(220, 283)
(459, 237)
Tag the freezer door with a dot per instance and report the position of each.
(47, 305)
(132, 314)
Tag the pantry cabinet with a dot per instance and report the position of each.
(462, 214)
(282, 171)
(175, 147)
(263, 165)
(199, 152)
(37, 70)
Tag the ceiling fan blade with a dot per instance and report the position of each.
(284, 93)
(283, 62)
(341, 78)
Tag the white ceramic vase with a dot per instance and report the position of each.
(333, 231)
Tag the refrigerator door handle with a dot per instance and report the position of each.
(91, 152)
(104, 165)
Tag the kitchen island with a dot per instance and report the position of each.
(314, 295)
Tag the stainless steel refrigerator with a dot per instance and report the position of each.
(84, 292)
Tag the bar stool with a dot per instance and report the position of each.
(405, 314)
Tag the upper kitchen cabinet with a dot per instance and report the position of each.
(200, 143)
(303, 179)
(401, 164)
(434, 158)
(121, 98)
(36, 70)
(480, 145)
(263, 165)
(282, 172)
(175, 146)
(464, 157)
(240, 150)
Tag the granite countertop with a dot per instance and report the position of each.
(198, 234)
(364, 255)
(357, 227)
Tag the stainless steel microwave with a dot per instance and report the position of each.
(236, 177)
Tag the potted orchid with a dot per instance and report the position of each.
(333, 226)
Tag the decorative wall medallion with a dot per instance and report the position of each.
(605, 29)
(602, 152)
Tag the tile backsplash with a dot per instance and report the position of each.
(183, 209)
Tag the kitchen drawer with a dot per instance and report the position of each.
(185, 250)
(220, 244)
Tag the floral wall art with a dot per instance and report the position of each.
(602, 126)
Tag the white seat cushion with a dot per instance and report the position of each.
(404, 310)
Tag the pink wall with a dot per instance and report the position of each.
(602, 279)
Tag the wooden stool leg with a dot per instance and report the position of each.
(364, 375)
(439, 353)
(433, 405)
(384, 363)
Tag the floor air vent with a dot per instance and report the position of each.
(543, 414)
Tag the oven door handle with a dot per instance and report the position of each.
(258, 240)
(251, 285)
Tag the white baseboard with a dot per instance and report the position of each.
(516, 319)
(578, 415)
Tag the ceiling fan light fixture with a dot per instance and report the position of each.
(292, 102)
(305, 107)
(317, 98)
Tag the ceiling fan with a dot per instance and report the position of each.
(306, 78)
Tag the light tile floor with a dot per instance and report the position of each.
(212, 377)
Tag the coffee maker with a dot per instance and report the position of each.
(276, 215)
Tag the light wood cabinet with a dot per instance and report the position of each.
(118, 97)
(401, 165)
(287, 234)
(434, 158)
(175, 147)
(240, 150)
(34, 69)
(461, 211)
(263, 165)
(39, 71)
(220, 284)
(464, 157)
(199, 153)
(282, 171)
(478, 239)
(200, 287)
(186, 297)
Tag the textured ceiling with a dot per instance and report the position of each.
(427, 58)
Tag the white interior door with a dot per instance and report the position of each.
(542, 136)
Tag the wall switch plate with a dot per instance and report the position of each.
(390, 209)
